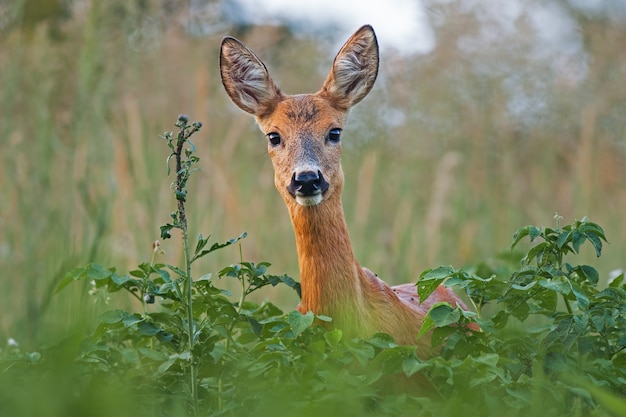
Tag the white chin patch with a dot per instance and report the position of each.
(309, 200)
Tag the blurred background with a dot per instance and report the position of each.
(486, 116)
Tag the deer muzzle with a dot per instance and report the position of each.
(308, 187)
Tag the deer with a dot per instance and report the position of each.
(304, 136)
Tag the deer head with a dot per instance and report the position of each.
(303, 131)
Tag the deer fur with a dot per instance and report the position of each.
(305, 149)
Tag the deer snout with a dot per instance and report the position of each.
(308, 187)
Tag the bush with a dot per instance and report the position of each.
(551, 340)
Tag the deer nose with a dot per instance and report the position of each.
(307, 183)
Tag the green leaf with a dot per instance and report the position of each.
(519, 235)
(590, 228)
(148, 329)
(71, 276)
(333, 337)
(442, 272)
(362, 351)
(535, 252)
(531, 231)
(256, 327)
(177, 270)
(616, 282)
(577, 240)
(597, 243)
(217, 246)
(132, 319)
(113, 316)
(412, 365)
(274, 280)
(300, 322)
(97, 272)
(581, 298)
(382, 340)
(563, 238)
(521, 312)
(427, 325)
(425, 289)
(202, 242)
(558, 284)
(440, 334)
(430, 279)
(324, 318)
(443, 314)
(588, 273)
(152, 354)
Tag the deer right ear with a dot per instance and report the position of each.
(354, 70)
(246, 79)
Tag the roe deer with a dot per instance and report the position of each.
(304, 143)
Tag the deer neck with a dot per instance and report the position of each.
(329, 273)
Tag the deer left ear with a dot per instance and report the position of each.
(246, 79)
(354, 69)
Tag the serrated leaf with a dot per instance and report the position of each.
(217, 246)
(177, 270)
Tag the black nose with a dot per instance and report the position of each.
(307, 183)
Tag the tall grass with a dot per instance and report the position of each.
(80, 174)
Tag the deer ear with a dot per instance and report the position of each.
(354, 70)
(246, 79)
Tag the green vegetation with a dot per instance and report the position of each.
(82, 189)
(197, 352)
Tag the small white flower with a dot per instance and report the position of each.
(12, 342)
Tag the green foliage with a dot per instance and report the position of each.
(551, 340)
(552, 324)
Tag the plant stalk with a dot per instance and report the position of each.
(188, 287)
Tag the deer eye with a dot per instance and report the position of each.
(334, 135)
(274, 138)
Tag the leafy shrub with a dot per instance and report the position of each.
(551, 341)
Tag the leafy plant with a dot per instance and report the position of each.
(543, 338)
(551, 319)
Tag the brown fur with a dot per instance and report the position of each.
(333, 283)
